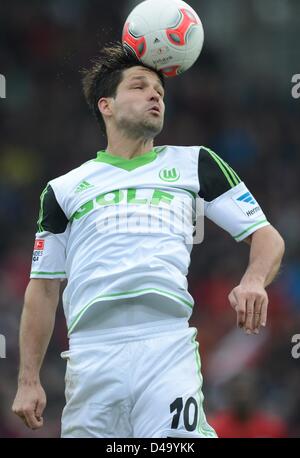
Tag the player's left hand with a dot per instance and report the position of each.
(250, 301)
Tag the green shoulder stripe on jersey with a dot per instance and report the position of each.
(128, 164)
(232, 178)
(133, 293)
(41, 214)
(47, 273)
(250, 227)
(234, 173)
(51, 216)
(235, 176)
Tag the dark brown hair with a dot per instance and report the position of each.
(105, 75)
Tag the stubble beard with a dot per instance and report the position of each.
(149, 127)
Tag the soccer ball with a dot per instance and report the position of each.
(166, 35)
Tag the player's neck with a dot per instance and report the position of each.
(129, 148)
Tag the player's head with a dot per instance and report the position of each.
(124, 93)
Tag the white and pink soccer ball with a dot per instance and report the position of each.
(166, 35)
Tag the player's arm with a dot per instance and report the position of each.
(41, 300)
(37, 323)
(249, 298)
(266, 253)
(231, 206)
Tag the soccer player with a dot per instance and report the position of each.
(111, 228)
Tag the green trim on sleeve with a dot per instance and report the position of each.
(47, 273)
(249, 228)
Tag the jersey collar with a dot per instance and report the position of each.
(128, 164)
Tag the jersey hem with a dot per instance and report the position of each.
(127, 294)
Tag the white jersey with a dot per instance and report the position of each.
(121, 232)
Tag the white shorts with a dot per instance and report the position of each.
(149, 387)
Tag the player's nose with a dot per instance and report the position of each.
(153, 95)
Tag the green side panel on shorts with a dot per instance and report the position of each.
(203, 427)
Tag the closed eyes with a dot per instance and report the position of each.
(160, 93)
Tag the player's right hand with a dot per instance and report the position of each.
(29, 404)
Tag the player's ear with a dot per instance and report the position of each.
(104, 105)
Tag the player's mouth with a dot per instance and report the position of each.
(154, 109)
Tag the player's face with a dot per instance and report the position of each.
(138, 108)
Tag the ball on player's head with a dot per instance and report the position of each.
(166, 35)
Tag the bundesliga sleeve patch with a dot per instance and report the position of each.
(39, 244)
(247, 203)
(38, 249)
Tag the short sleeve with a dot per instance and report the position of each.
(227, 200)
(49, 253)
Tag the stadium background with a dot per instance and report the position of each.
(237, 100)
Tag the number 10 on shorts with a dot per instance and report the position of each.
(190, 414)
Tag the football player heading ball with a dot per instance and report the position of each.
(133, 364)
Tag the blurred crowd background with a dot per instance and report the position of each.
(237, 100)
